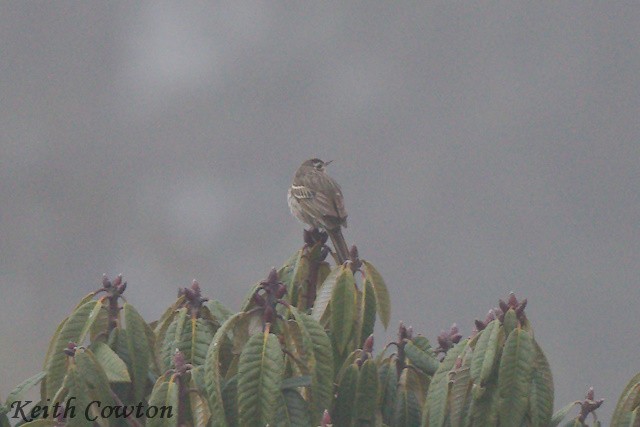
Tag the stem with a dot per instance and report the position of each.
(400, 360)
(312, 280)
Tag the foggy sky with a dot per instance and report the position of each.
(481, 148)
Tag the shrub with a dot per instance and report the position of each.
(300, 352)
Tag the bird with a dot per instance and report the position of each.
(316, 199)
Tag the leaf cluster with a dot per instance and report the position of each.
(299, 353)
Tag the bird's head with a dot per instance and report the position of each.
(317, 164)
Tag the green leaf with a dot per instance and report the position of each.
(420, 353)
(154, 365)
(139, 350)
(200, 412)
(320, 360)
(484, 409)
(514, 378)
(213, 375)
(324, 269)
(85, 299)
(576, 423)
(324, 295)
(410, 400)
(248, 300)
(388, 380)
(436, 403)
(297, 353)
(295, 382)
(286, 276)
(367, 392)
(100, 326)
(383, 302)
(74, 330)
(298, 287)
(94, 316)
(541, 389)
(367, 307)
(230, 399)
(160, 332)
(113, 365)
(197, 375)
(344, 410)
(18, 393)
(343, 299)
(92, 374)
(294, 411)
(485, 353)
(218, 310)
(166, 395)
(118, 343)
(173, 337)
(80, 394)
(52, 345)
(201, 333)
(246, 325)
(628, 419)
(349, 360)
(561, 413)
(260, 372)
(168, 315)
(510, 321)
(460, 395)
(285, 273)
(628, 401)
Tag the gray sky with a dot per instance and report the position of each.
(481, 149)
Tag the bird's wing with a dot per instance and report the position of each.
(338, 201)
(302, 192)
(326, 201)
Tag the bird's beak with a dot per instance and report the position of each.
(326, 163)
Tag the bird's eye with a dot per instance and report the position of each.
(318, 165)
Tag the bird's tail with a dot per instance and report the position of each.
(339, 244)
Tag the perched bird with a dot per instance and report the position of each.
(316, 199)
